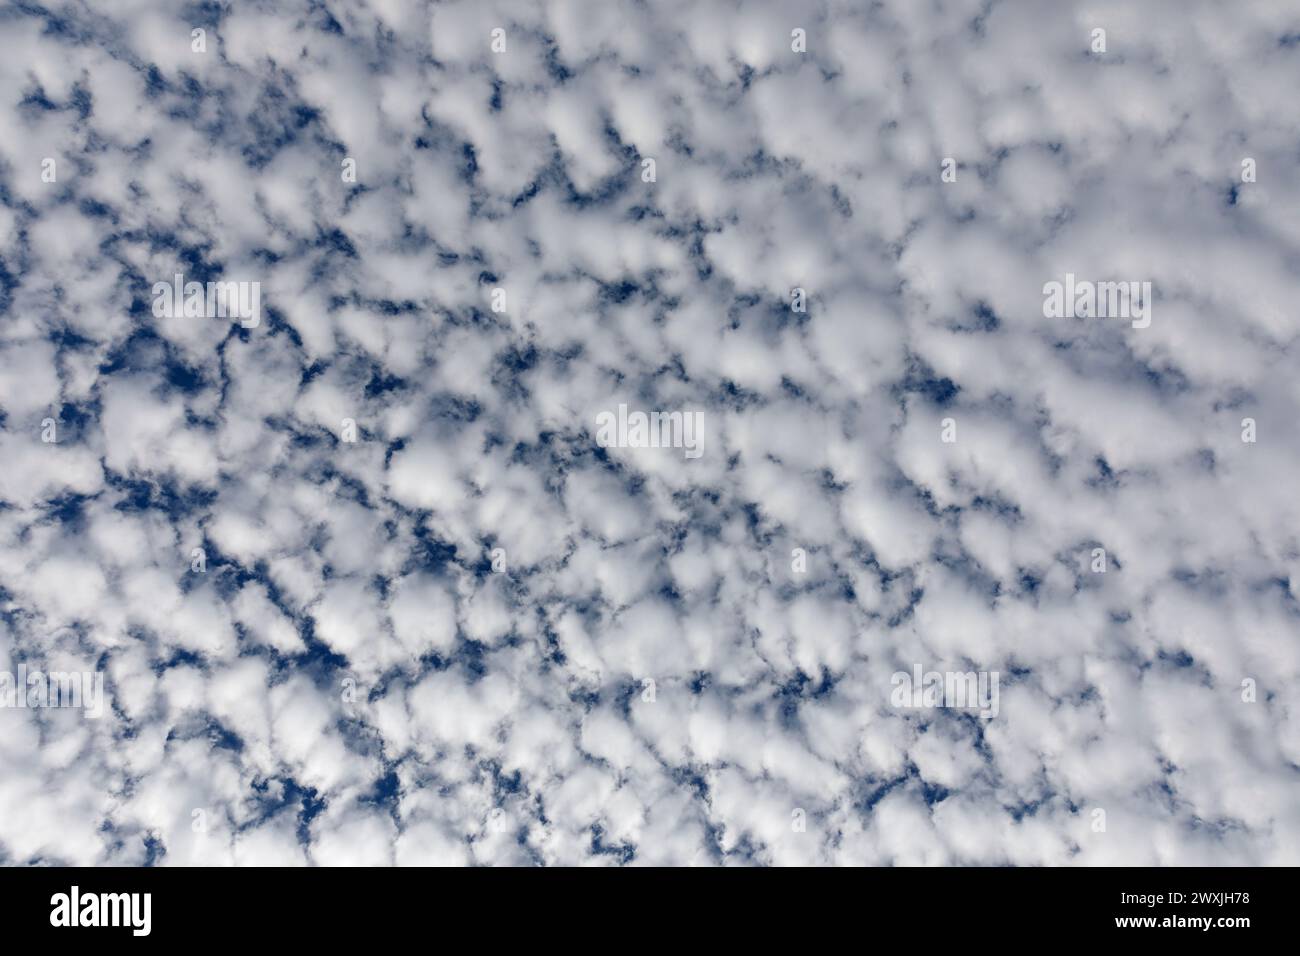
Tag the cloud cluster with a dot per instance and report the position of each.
(364, 584)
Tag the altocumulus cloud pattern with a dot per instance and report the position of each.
(649, 433)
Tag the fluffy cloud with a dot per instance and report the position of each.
(364, 585)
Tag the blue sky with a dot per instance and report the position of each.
(363, 583)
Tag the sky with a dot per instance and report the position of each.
(369, 577)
